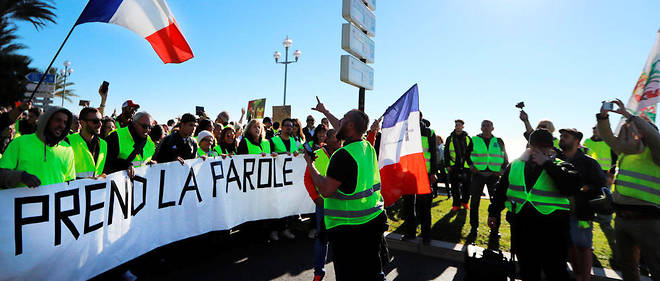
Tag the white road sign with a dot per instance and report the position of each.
(356, 11)
(354, 41)
(356, 73)
(44, 87)
(371, 4)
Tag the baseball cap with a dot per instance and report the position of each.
(541, 137)
(130, 103)
(572, 131)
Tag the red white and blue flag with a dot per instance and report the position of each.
(151, 19)
(401, 159)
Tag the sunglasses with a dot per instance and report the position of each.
(287, 125)
(145, 126)
(95, 120)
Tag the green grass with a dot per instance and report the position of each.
(454, 227)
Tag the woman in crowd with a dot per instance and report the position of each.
(227, 142)
(108, 126)
(206, 142)
(318, 139)
(298, 134)
(254, 141)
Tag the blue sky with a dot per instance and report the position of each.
(473, 60)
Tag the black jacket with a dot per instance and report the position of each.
(591, 176)
(174, 146)
(565, 176)
(462, 150)
(112, 162)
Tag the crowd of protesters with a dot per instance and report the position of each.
(553, 192)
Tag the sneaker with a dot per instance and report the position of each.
(274, 236)
(312, 233)
(287, 233)
(455, 208)
(465, 206)
(318, 277)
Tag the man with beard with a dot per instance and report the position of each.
(41, 158)
(89, 150)
(353, 205)
(284, 142)
(535, 189)
(592, 179)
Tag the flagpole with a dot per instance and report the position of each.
(51, 63)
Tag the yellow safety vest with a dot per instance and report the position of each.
(126, 144)
(452, 152)
(638, 177)
(543, 196)
(600, 151)
(365, 203)
(491, 157)
(85, 164)
(281, 148)
(50, 164)
(264, 147)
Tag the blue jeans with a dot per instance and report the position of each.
(321, 243)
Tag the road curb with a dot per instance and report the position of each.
(455, 252)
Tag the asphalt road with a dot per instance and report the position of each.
(243, 257)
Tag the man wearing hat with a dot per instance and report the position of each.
(582, 215)
(535, 189)
(128, 109)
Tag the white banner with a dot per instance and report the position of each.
(78, 230)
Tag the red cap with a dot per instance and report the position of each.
(130, 103)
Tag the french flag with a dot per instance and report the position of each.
(151, 19)
(401, 160)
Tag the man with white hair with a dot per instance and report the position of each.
(130, 146)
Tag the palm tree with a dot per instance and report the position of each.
(60, 91)
(34, 11)
(15, 66)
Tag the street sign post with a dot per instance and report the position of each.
(371, 4)
(44, 87)
(356, 73)
(354, 41)
(34, 77)
(356, 11)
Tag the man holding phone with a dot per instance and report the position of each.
(535, 190)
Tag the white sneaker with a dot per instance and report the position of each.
(274, 236)
(312, 233)
(287, 233)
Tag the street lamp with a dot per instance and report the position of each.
(65, 72)
(287, 44)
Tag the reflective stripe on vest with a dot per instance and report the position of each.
(427, 154)
(281, 148)
(254, 149)
(365, 203)
(638, 177)
(126, 144)
(543, 196)
(452, 152)
(84, 159)
(600, 151)
(491, 157)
